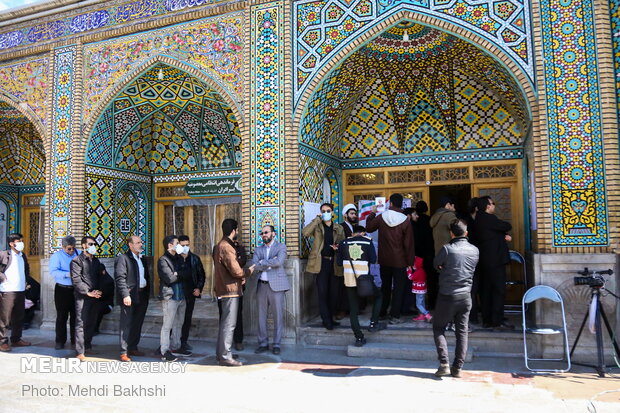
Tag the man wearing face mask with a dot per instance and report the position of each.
(64, 299)
(131, 276)
(173, 299)
(193, 283)
(13, 271)
(272, 284)
(327, 235)
(87, 273)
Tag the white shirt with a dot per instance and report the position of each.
(140, 270)
(263, 275)
(15, 274)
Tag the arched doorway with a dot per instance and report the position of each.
(419, 111)
(22, 183)
(164, 130)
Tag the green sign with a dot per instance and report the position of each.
(219, 186)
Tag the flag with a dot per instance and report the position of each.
(365, 208)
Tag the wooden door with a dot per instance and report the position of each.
(32, 229)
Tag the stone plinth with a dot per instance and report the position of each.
(558, 271)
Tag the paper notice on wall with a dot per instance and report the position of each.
(310, 211)
(406, 203)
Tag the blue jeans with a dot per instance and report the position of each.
(419, 303)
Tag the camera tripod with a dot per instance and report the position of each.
(600, 313)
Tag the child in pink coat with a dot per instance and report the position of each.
(418, 287)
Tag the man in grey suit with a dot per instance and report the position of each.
(272, 283)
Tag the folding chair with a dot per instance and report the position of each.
(516, 257)
(537, 293)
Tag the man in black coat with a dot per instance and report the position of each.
(193, 283)
(131, 275)
(87, 273)
(491, 238)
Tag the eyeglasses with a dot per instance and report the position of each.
(90, 244)
(329, 210)
(265, 233)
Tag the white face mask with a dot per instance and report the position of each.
(185, 249)
(327, 216)
(179, 249)
(92, 250)
(19, 246)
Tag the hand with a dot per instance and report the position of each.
(94, 294)
(251, 268)
(127, 301)
(508, 238)
(374, 209)
(196, 292)
(334, 247)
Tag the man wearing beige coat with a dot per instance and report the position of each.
(327, 235)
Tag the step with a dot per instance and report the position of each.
(483, 342)
(417, 352)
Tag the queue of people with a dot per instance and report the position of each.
(450, 265)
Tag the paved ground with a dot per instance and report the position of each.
(299, 380)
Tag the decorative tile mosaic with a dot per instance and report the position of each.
(266, 114)
(392, 103)
(323, 28)
(27, 81)
(61, 129)
(9, 195)
(100, 198)
(614, 8)
(131, 216)
(573, 107)
(168, 136)
(212, 45)
(93, 18)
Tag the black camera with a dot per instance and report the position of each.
(593, 279)
(596, 281)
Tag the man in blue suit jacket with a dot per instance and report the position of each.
(272, 284)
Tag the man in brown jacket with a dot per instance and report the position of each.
(327, 235)
(396, 253)
(440, 222)
(228, 276)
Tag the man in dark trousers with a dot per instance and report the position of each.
(193, 283)
(86, 275)
(228, 275)
(355, 254)
(327, 235)
(64, 298)
(131, 275)
(14, 269)
(492, 237)
(396, 253)
(456, 262)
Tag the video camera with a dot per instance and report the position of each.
(593, 279)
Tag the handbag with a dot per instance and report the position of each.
(365, 283)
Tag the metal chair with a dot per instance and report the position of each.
(515, 256)
(543, 292)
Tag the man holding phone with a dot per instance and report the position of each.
(327, 235)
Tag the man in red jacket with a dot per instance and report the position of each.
(396, 253)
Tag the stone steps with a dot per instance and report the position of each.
(481, 342)
(416, 352)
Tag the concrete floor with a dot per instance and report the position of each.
(299, 380)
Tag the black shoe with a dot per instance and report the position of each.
(455, 372)
(168, 356)
(261, 349)
(186, 346)
(276, 350)
(181, 352)
(328, 326)
(396, 320)
(376, 326)
(443, 370)
(239, 346)
(59, 346)
(336, 323)
(360, 341)
(450, 327)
